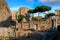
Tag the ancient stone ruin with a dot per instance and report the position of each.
(4, 13)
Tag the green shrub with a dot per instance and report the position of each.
(21, 16)
(35, 18)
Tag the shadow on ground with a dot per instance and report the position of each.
(51, 35)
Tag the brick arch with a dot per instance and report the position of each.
(42, 27)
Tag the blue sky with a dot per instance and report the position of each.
(15, 4)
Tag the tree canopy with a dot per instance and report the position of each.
(21, 16)
(30, 11)
(39, 9)
(42, 8)
(50, 14)
(35, 18)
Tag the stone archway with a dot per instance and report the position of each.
(42, 27)
(58, 28)
(35, 26)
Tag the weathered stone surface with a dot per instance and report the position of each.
(4, 13)
(23, 11)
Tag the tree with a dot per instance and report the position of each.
(35, 18)
(20, 18)
(50, 16)
(42, 9)
(32, 11)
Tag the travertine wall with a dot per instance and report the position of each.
(5, 18)
(4, 14)
(57, 20)
(6, 32)
(14, 15)
(4, 10)
(23, 10)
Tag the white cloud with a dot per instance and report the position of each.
(50, 1)
(14, 8)
(55, 8)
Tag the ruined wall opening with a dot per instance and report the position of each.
(58, 28)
